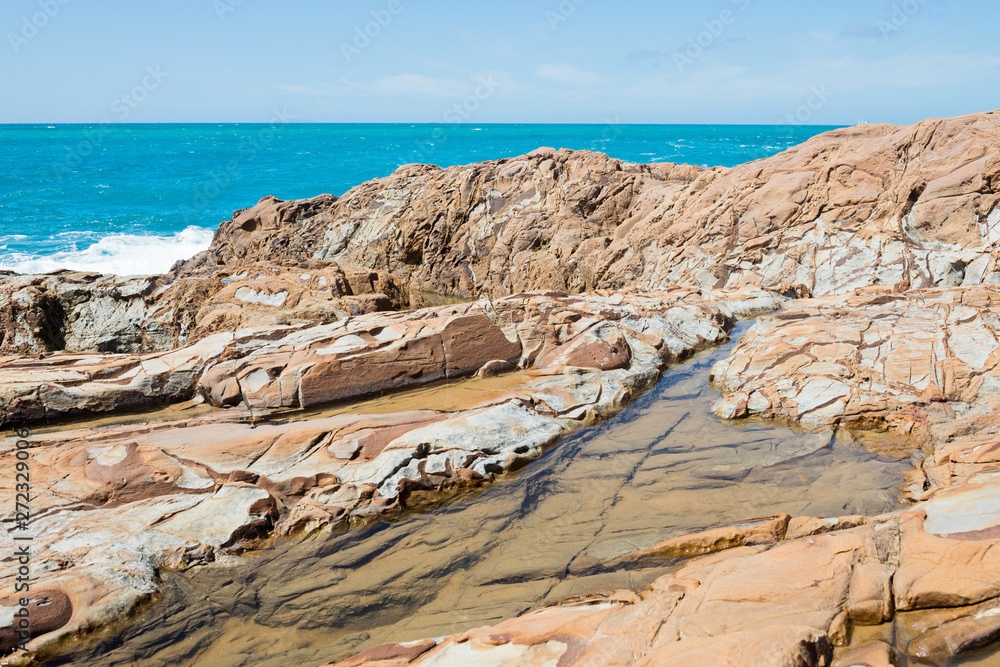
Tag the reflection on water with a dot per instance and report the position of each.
(177, 412)
(444, 396)
(906, 634)
(664, 467)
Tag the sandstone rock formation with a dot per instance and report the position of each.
(82, 312)
(920, 362)
(849, 208)
(790, 604)
(783, 590)
(112, 505)
(786, 603)
(893, 229)
(869, 357)
(271, 367)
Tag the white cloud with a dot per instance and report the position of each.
(843, 75)
(715, 87)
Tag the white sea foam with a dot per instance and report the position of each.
(121, 254)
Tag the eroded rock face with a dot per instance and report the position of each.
(267, 322)
(868, 357)
(284, 367)
(552, 333)
(853, 207)
(100, 563)
(65, 385)
(748, 606)
(849, 208)
(782, 590)
(77, 312)
(114, 505)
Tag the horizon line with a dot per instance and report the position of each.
(433, 124)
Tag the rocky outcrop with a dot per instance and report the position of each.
(782, 590)
(285, 317)
(749, 606)
(870, 204)
(922, 363)
(870, 357)
(873, 204)
(64, 385)
(78, 312)
(286, 367)
(113, 505)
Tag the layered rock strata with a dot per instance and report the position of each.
(792, 597)
(871, 204)
(853, 207)
(280, 315)
(305, 366)
(112, 505)
(86, 312)
(801, 590)
(870, 357)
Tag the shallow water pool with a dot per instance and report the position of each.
(663, 467)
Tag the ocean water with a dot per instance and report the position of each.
(133, 199)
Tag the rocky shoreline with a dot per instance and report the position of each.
(920, 584)
(116, 503)
(573, 280)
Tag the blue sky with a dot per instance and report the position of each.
(574, 61)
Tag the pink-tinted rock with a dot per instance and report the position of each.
(947, 549)
(77, 312)
(265, 322)
(776, 646)
(833, 214)
(116, 504)
(865, 358)
(750, 533)
(869, 599)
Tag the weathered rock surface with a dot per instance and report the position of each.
(873, 654)
(792, 591)
(871, 357)
(306, 366)
(112, 505)
(749, 533)
(82, 312)
(67, 385)
(747, 606)
(779, 602)
(267, 322)
(849, 208)
(872, 204)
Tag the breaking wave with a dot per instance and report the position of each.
(120, 254)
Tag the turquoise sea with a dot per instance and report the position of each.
(133, 199)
